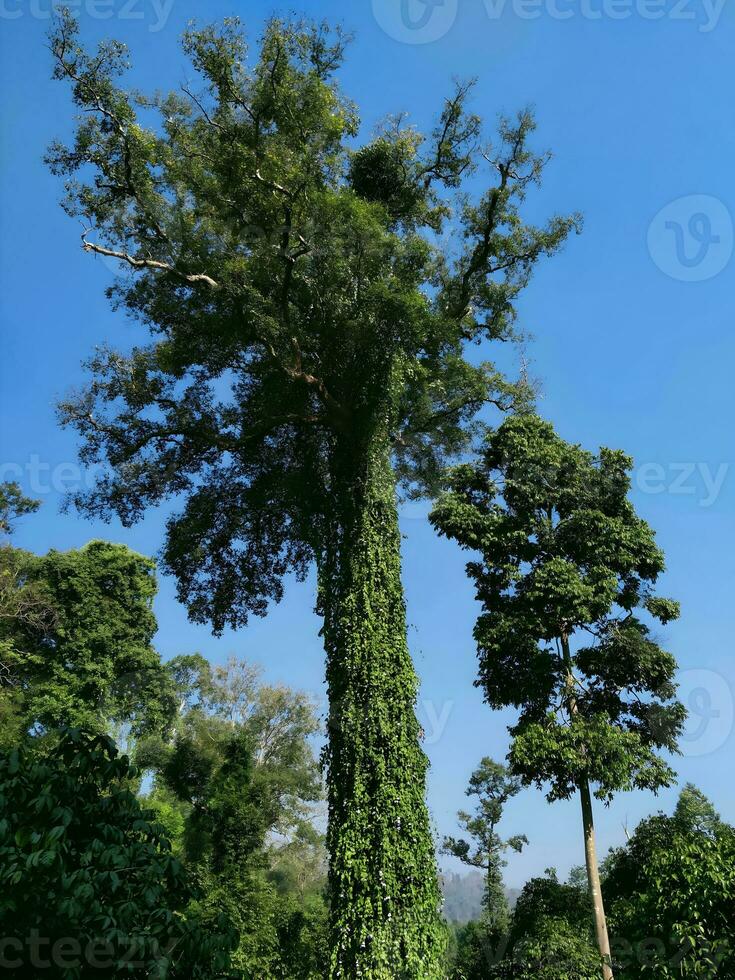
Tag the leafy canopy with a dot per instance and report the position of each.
(565, 569)
(76, 635)
(238, 781)
(671, 891)
(293, 291)
(226, 701)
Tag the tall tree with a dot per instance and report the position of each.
(307, 352)
(565, 568)
(493, 786)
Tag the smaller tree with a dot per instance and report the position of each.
(553, 950)
(695, 814)
(76, 635)
(671, 892)
(493, 786)
(566, 567)
(298, 870)
(549, 937)
(88, 884)
(215, 703)
(240, 773)
(474, 952)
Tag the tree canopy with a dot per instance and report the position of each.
(77, 637)
(563, 554)
(671, 891)
(291, 288)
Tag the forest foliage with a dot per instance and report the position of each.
(309, 305)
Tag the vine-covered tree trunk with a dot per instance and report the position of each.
(383, 882)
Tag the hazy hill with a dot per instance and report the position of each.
(463, 896)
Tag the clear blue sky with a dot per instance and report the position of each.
(632, 324)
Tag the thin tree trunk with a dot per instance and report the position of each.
(383, 884)
(588, 823)
(593, 877)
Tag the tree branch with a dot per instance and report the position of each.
(192, 278)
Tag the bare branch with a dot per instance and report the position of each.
(193, 277)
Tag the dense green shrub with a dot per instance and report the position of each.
(88, 884)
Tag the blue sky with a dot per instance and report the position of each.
(632, 325)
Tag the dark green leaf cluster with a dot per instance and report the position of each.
(671, 892)
(89, 886)
(566, 569)
(76, 634)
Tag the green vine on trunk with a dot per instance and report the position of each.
(384, 891)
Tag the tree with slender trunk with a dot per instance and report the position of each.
(493, 786)
(306, 357)
(566, 571)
